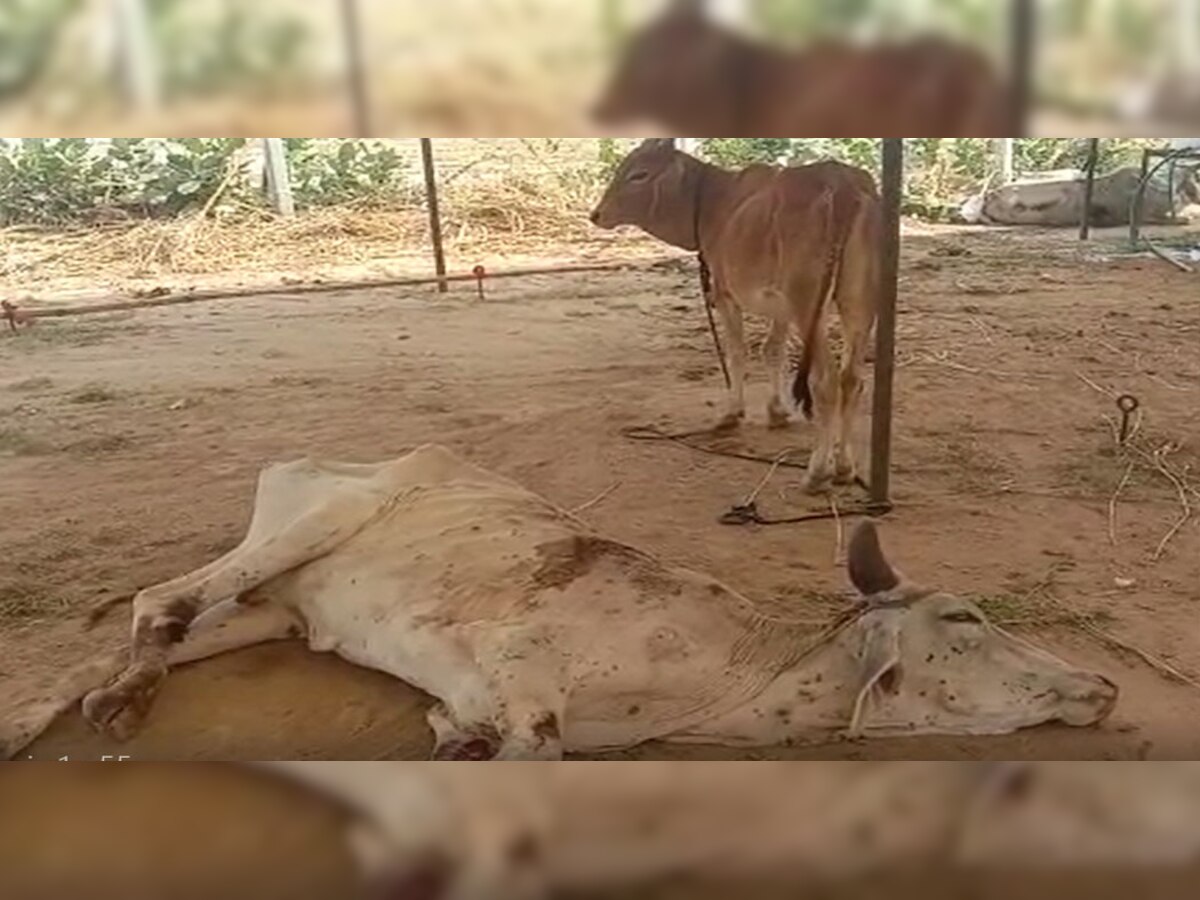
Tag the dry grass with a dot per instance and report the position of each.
(21, 600)
(482, 218)
(15, 442)
(94, 393)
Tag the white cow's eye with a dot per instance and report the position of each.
(962, 617)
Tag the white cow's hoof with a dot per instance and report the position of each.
(120, 709)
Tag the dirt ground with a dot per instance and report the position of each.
(130, 442)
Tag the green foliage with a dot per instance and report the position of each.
(940, 172)
(609, 157)
(59, 182)
(734, 153)
(50, 181)
(27, 32)
(332, 172)
(242, 45)
(806, 19)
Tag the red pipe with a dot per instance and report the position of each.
(326, 288)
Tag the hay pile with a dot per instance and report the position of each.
(489, 220)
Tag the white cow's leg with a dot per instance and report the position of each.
(735, 356)
(120, 707)
(824, 390)
(162, 614)
(527, 675)
(778, 408)
(457, 742)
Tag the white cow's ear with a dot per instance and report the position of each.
(870, 572)
(879, 663)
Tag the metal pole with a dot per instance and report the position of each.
(885, 327)
(1135, 213)
(279, 184)
(1187, 33)
(1022, 34)
(136, 58)
(356, 67)
(1006, 150)
(435, 217)
(1089, 188)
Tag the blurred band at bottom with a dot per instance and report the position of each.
(428, 831)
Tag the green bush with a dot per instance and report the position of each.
(28, 29)
(332, 172)
(53, 181)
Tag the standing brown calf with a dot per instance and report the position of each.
(779, 243)
(694, 77)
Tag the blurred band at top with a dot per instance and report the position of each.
(798, 68)
(695, 76)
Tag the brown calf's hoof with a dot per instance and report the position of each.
(816, 486)
(777, 421)
(729, 422)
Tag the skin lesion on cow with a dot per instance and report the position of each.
(563, 562)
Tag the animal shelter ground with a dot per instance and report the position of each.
(130, 443)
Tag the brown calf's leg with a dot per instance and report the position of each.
(778, 412)
(735, 354)
(824, 391)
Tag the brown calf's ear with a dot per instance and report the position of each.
(691, 8)
(869, 570)
(658, 144)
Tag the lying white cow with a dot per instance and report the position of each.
(540, 637)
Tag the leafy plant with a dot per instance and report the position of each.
(331, 172)
(212, 49)
(58, 181)
(28, 29)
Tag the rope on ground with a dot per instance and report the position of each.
(747, 513)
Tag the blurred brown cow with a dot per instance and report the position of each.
(694, 77)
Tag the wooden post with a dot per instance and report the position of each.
(435, 216)
(1022, 35)
(1089, 188)
(136, 59)
(279, 182)
(356, 70)
(885, 326)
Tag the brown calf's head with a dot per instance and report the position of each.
(931, 662)
(652, 189)
(671, 72)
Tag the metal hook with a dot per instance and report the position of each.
(1128, 405)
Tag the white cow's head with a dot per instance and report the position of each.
(929, 662)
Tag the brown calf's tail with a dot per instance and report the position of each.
(801, 389)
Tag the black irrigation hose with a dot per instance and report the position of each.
(746, 514)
